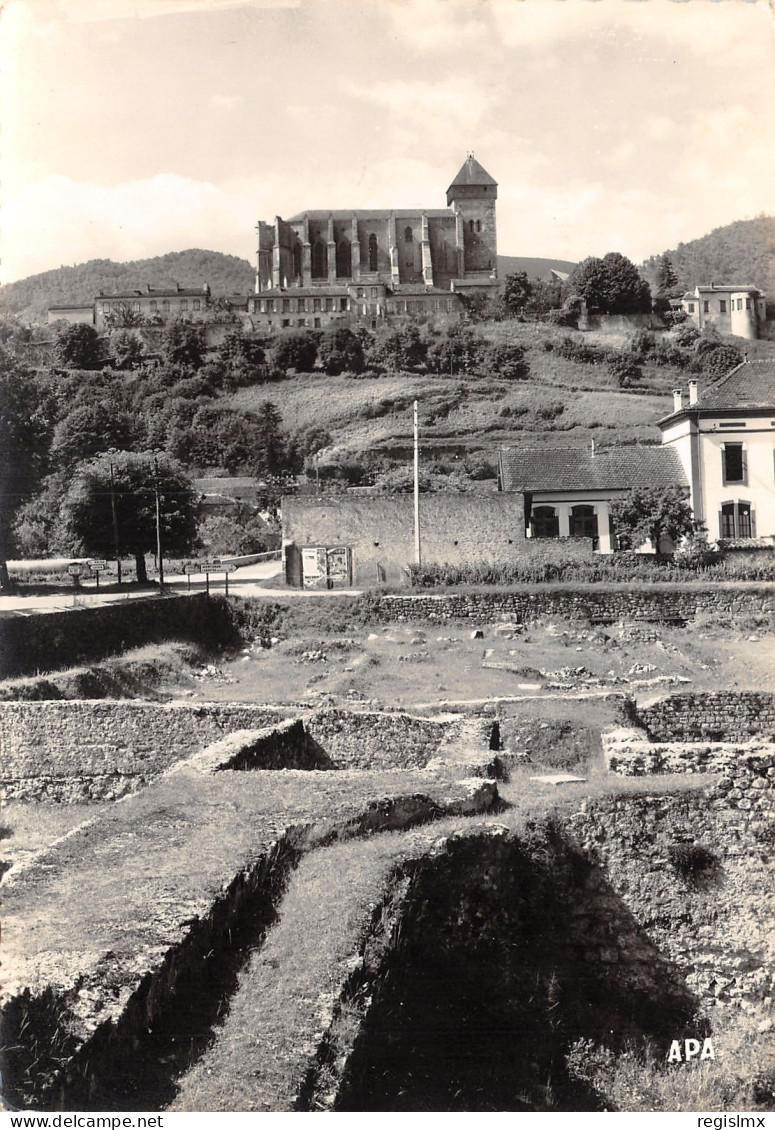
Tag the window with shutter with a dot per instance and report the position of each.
(733, 463)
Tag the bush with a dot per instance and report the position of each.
(340, 351)
(574, 349)
(625, 370)
(692, 861)
(297, 351)
(506, 360)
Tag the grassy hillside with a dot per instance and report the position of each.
(560, 402)
(32, 297)
(742, 252)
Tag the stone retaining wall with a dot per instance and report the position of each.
(695, 871)
(604, 603)
(628, 753)
(95, 750)
(710, 716)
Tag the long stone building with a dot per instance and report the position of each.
(325, 266)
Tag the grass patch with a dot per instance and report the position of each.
(639, 1078)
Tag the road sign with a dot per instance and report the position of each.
(211, 566)
(77, 568)
(98, 566)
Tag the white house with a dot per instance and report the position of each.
(728, 307)
(724, 437)
(568, 490)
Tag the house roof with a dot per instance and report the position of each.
(472, 173)
(173, 292)
(572, 469)
(732, 288)
(750, 385)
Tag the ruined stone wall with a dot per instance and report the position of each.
(628, 753)
(376, 741)
(92, 750)
(73, 750)
(608, 603)
(695, 872)
(719, 716)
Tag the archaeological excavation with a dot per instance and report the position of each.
(357, 859)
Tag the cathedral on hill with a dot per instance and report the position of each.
(322, 267)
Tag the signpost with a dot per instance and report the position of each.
(208, 566)
(97, 567)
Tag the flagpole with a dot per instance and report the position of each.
(417, 552)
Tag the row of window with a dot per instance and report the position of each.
(736, 520)
(154, 305)
(295, 305)
(722, 305)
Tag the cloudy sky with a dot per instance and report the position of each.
(135, 127)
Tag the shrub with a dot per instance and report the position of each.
(573, 349)
(625, 370)
(692, 862)
(340, 350)
(296, 351)
(506, 360)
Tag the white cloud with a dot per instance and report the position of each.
(454, 104)
(226, 101)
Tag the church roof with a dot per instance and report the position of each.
(573, 469)
(472, 173)
(750, 385)
(370, 214)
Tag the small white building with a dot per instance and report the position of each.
(730, 308)
(568, 491)
(724, 437)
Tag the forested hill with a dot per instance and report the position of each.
(742, 252)
(31, 297)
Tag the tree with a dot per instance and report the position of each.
(651, 514)
(26, 412)
(272, 455)
(89, 429)
(79, 347)
(340, 351)
(87, 509)
(399, 348)
(183, 343)
(611, 285)
(296, 351)
(126, 349)
(516, 292)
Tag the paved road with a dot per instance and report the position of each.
(243, 582)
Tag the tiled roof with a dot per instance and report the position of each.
(750, 385)
(569, 468)
(184, 292)
(714, 288)
(472, 173)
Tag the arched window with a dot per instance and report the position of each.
(297, 260)
(343, 259)
(319, 260)
(470, 225)
(478, 225)
(407, 235)
(544, 522)
(372, 252)
(583, 522)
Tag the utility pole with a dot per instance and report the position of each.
(115, 523)
(158, 521)
(417, 551)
